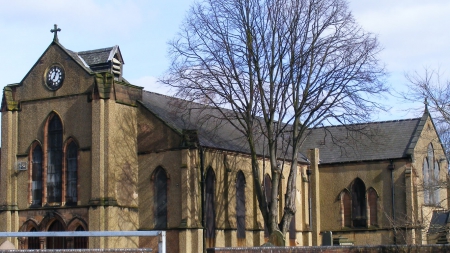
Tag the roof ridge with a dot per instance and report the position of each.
(343, 125)
(96, 50)
(182, 99)
(367, 123)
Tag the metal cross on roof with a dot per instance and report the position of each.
(55, 30)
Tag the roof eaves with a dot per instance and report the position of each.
(82, 60)
(68, 52)
(305, 162)
(26, 75)
(13, 85)
(415, 137)
(364, 161)
(113, 52)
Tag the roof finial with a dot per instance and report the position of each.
(426, 104)
(55, 31)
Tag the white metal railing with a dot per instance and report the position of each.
(161, 241)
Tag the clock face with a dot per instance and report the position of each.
(55, 77)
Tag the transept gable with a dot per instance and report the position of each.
(426, 129)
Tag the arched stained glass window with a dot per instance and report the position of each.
(240, 205)
(436, 183)
(431, 180)
(72, 173)
(54, 160)
(160, 198)
(210, 212)
(426, 180)
(36, 176)
(268, 193)
(358, 203)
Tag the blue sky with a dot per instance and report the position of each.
(413, 34)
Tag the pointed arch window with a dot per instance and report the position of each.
(72, 173)
(36, 176)
(426, 190)
(268, 193)
(54, 159)
(358, 203)
(160, 198)
(431, 178)
(436, 185)
(210, 212)
(240, 205)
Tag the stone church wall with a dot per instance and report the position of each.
(375, 175)
(77, 80)
(422, 212)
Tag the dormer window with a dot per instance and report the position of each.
(104, 60)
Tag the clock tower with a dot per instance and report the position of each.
(63, 159)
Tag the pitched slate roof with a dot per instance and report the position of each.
(213, 131)
(365, 142)
(99, 56)
(439, 222)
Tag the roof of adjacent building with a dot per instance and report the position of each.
(212, 130)
(99, 56)
(439, 221)
(365, 142)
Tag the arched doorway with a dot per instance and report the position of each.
(33, 242)
(56, 242)
(80, 242)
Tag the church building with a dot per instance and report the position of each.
(82, 149)
(85, 150)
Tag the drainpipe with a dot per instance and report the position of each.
(391, 167)
(202, 194)
(308, 173)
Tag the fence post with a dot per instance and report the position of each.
(162, 242)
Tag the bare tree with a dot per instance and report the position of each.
(274, 68)
(431, 88)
